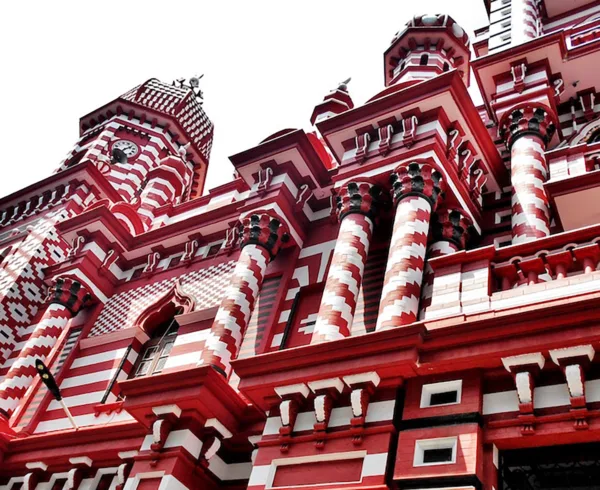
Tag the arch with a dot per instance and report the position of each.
(174, 302)
(590, 133)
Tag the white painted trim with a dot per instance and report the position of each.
(215, 424)
(373, 464)
(128, 454)
(523, 359)
(81, 460)
(423, 445)
(442, 387)
(321, 384)
(299, 388)
(166, 410)
(580, 350)
(370, 377)
(133, 482)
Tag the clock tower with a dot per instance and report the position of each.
(128, 137)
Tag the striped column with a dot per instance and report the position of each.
(450, 233)
(416, 189)
(68, 297)
(525, 21)
(357, 205)
(262, 236)
(165, 183)
(526, 132)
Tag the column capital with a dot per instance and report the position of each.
(358, 196)
(70, 293)
(527, 118)
(266, 229)
(451, 225)
(417, 179)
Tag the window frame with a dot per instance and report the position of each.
(159, 344)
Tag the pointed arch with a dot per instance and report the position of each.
(172, 302)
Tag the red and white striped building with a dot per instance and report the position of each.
(403, 297)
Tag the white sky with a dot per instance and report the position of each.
(266, 65)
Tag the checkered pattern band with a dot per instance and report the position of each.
(22, 289)
(207, 286)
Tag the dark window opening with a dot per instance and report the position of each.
(446, 66)
(595, 137)
(573, 467)
(214, 250)
(443, 455)
(424, 59)
(443, 398)
(505, 218)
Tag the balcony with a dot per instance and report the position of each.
(541, 272)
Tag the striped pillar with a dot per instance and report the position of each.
(525, 21)
(165, 183)
(526, 132)
(416, 189)
(262, 236)
(68, 297)
(450, 234)
(357, 205)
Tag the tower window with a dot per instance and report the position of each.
(444, 393)
(424, 59)
(156, 351)
(443, 455)
(430, 452)
(446, 66)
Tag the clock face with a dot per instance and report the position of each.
(128, 147)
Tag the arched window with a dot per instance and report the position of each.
(446, 66)
(156, 351)
(159, 323)
(424, 59)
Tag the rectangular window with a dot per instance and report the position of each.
(439, 394)
(430, 452)
(443, 398)
(443, 455)
(157, 350)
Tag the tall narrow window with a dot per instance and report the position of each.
(424, 59)
(156, 351)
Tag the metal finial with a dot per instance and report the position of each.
(344, 85)
(193, 84)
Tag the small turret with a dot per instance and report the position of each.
(336, 102)
(429, 46)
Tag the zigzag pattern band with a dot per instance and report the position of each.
(227, 331)
(529, 171)
(404, 271)
(338, 303)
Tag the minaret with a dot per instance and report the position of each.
(428, 46)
